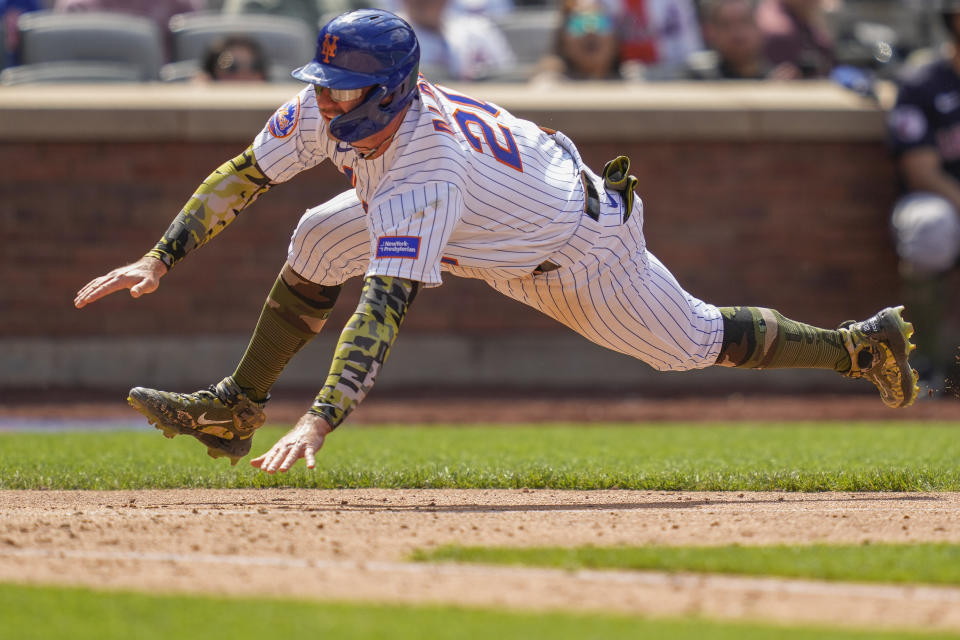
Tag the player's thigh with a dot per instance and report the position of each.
(926, 229)
(635, 307)
(331, 243)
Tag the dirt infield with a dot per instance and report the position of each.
(353, 544)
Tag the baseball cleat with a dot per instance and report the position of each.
(222, 417)
(879, 348)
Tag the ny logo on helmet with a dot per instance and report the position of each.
(329, 47)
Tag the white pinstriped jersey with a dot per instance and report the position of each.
(464, 187)
(467, 188)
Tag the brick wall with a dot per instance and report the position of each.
(797, 226)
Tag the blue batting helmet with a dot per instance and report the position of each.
(366, 48)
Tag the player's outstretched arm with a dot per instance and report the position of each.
(234, 186)
(215, 204)
(143, 276)
(364, 346)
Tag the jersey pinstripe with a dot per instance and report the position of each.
(468, 189)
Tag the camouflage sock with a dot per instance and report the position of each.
(759, 338)
(293, 314)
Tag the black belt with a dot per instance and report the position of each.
(591, 207)
(591, 199)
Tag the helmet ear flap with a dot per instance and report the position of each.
(371, 115)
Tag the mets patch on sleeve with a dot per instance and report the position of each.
(284, 121)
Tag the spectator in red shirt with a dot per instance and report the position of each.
(657, 36)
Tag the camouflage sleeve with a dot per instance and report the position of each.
(222, 196)
(364, 346)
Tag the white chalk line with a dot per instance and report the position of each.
(897, 593)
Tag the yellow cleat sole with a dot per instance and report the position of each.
(907, 330)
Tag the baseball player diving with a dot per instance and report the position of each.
(445, 182)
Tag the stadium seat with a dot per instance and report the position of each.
(180, 71)
(529, 33)
(308, 11)
(48, 37)
(69, 71)
(187, 70)
(287, 42)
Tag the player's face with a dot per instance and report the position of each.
(333, 102)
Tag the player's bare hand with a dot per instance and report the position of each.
(303, 441)
(143, 276)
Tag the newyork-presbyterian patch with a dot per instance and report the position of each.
(398, 247)
(284, 121)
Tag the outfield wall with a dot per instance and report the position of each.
(773, 195)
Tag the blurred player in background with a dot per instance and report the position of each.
(924, 128)
(447, 183)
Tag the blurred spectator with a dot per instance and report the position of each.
(586, 46)
(160, 11)
(924, 127)
(735, 45)
(795, 32)
(234, 59)
(455, 46)
(657, 36)
(10, 10)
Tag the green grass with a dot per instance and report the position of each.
(782, 456)
(894, 563)
(41, 613)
